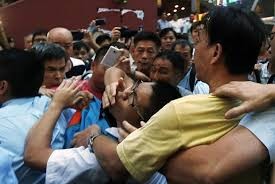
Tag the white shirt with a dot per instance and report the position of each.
(177, 25)
(262, 125)
(79, 164)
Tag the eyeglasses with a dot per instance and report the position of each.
(132, 99)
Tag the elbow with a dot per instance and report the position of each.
(36, 158)
(30, 156)
(117, 172)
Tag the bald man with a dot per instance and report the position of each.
(64, 38)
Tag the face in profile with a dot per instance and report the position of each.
(54, 72)
(132, 102)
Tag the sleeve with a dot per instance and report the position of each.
(66, 165)
(7, 174)
(146, 150)
(262, 125)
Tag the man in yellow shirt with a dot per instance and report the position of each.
(193, 120)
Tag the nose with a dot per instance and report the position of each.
(144, 55)
(58, 75)
(154, 76)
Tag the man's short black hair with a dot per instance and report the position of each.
(23, 72)
(164, 32)
(147, 36)
(49, 51)
(78, 45)
(101, 38)
(182, 43)
(174, 58)
(38, 33)
(162, 94)
(241, 36)
(100, 53)
(195, 25)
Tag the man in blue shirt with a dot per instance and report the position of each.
(7, 175)
(21, 75)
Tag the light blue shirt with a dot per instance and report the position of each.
(199, 88)
(17, 116)
(262, 125)
(163, 24)
(7, 174)
(184, 83)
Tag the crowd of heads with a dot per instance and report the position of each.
(223, 46)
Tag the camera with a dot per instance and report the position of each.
(127, 33)
(99, 22)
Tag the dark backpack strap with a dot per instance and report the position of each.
(257, 75)
(271, 79)
(192, 78)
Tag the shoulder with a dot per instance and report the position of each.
(76, 61)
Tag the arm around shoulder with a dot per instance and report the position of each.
(218, 162)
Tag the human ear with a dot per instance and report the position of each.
(3, 87)
(216, 53)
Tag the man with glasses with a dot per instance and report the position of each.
(264, 71)
(192, 120)
(64, 38)
(136, 101)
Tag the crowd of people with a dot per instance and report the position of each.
(171, 109)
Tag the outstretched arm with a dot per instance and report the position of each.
(254, 96)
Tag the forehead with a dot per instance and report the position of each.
(55, 63)
(40, 36)
(146, 44)
(144, 92)
(169, 33)
(160, 62)
(59, 37)
(182, 48)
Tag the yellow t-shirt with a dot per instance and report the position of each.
(181, 124)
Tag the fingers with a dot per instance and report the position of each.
(105, 101)
(123, 134)
(142, 123)
(121, 85)
(128, 127)
(228, 90)
(239, 110)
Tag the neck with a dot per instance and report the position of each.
(94, 87)
(218, 81)
(271, 68)
(4, 98)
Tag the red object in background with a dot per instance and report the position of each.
(25, 16)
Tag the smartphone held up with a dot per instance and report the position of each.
(111, 56)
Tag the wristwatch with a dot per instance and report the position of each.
(91, 140)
